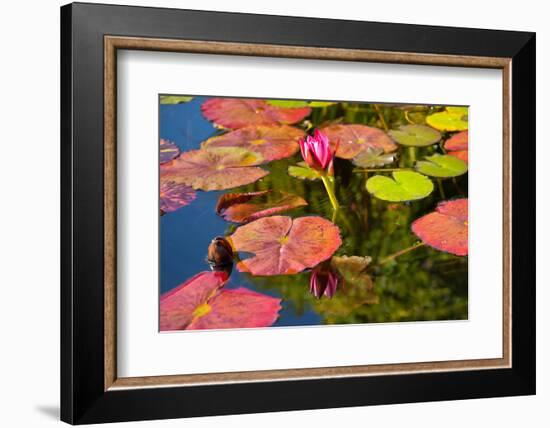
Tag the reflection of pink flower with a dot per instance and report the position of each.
(316, 151)
(323, 282)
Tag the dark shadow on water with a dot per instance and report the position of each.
(51, 411)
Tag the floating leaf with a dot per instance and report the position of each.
(283, 246)
(452, 119)
(457, 110)
(246, 207)
(174, 99)
(352, 139)
(405, 186)
(174, 196)
(214, 169)
(353, 270)
(237, 113)
(298, 103)
(458, 141)
(288, 103)
(303, 172)
(177, 306)
(201, 303)
(373, 157)
(168, 151)
(457, 146)
(238, 308)
(415, 135)
(442, 166)
(446, 228)
(320, 104)
(460, 154)
(272, 142)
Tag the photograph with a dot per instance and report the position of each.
(289, 212)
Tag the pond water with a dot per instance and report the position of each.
(421, 284)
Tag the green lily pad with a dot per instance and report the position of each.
(452, 119)
(319, 104)
(373, 157)
(288, 103)
(303, 172)
(442, 166)
(405, 186)
(458, 110)
(174, 99)
(415, 135)
(299, 103)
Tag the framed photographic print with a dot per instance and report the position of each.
(265, 213)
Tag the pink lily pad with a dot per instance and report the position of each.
(460, 154)
(458, 141)
(282, 246)
(174, 196)
(234, 113)
(177, 306)
(238, 308)
(272, 142)
(214, 169)
(457, 145)
(445, 229)
(247, 207)
(353, 139)
(168, 151)
(201, 303)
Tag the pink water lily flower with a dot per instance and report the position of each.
(323, 282)
(316, 151)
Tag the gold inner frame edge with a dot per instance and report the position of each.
(113, 43)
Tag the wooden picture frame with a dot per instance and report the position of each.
(91, 390)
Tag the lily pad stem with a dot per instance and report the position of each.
(457, 187)
(412, 154)
(408, 119)
(381, 117)
(400, 253)
(441, 190)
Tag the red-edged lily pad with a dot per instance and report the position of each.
(458, 141)
(247, 207)
(272, 142)
(174, 196)
(234, 113)
(353, 139)
(281, 245)
(201, 303)
(168, 151)
(238, 308)
(460, 154)
(457, 146)
(177, 306)
(445, 229)
(214, 169)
